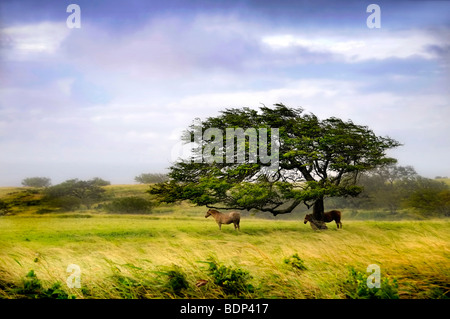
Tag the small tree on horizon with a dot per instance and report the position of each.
(38, 182)
(150, 178)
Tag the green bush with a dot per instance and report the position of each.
(355, 287)
(4, 208)
(44, 211)
(129, 205)
(176, 279)
(295, 261)
(64, 203)
(234, 281)
(32, 288)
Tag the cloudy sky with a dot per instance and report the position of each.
(110, 99)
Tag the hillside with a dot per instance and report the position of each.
(26, 200)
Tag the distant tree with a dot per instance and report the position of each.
(388, 185)
(100, 182)
(392, 173)
(430, 197)
(150, 178)
(74, 192)
(36, 182)
(394, 187)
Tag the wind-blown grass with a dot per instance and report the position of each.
(139, 256)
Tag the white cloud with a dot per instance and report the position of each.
(29, 41)
(385, 112)
(170, 71)
(360, 46)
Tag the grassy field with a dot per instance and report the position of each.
(165, 255)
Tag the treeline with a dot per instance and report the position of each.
(396, 188)
(390, 192)
(71, 195)
(144, 178)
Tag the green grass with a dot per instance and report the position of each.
(168, 252)
(445, 180)
(127, 190)
(163, 255)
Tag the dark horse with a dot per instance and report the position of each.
(328, 217)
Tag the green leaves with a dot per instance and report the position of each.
(317, 159)
(233, 281)
(74, 192)
(255, 195)
(355, 287)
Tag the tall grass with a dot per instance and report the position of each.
(162, 256)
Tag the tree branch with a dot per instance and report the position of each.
(287, 210)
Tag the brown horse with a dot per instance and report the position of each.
(327, 217)
(233, 217)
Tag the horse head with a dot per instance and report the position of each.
(208, 213)
(308, 218)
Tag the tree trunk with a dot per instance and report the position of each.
(318, 209)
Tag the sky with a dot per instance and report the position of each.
(110, 99)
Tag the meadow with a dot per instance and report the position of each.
(177, 253)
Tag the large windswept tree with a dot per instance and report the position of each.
(315, 159)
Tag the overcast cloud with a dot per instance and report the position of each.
(111, 99)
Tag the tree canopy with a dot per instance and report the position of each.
(150, 178)
(316, 159)
(36, 182)
(75, 192)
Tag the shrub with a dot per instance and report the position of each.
(176, 279)
(355, 287)
(295, 261)
(64, 203)
(32, 288)
(129, 205)
(4, 208)
(44, 211)
(31, 284)
(234, 281)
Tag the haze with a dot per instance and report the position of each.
(111, 99)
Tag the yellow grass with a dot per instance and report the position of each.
(105, 246)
